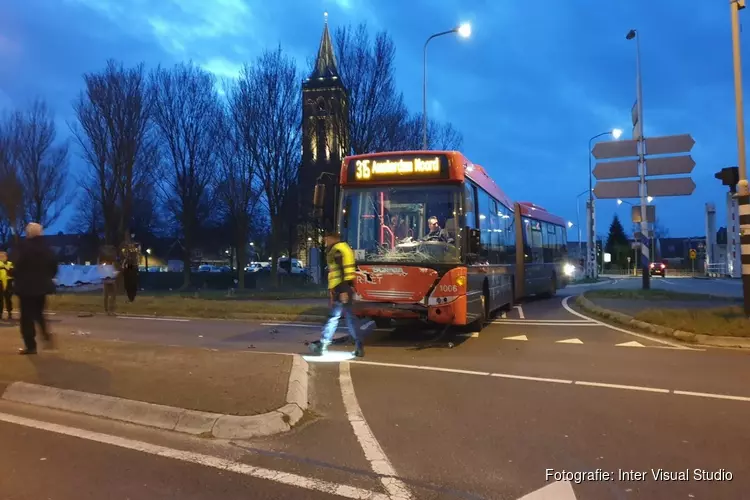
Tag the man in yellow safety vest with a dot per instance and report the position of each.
(6, 284)
(341, 275)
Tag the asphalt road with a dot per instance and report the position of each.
(541, 388)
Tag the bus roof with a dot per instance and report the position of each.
(462, 168)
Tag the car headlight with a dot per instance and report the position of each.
(569, 269)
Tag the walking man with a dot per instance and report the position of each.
(6, 285)
(341, 275)
(35, 271)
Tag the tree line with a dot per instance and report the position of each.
(172, 152)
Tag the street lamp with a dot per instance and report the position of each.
(148, 252)
(578, 222)
(645, 257)
(464, 31)
(615, 133)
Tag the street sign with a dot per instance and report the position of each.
(616, 169)
(670, 165)
(669, 144)
(615, 149)
(635, 214)
(680, 186)
(616, 189)
(692, 253)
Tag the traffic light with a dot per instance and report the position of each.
(729, 176)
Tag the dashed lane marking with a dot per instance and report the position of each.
(373, 452)
(569, 341)
(543, 323)
(277, 476)
(517, 337)
(584, 383)
(632, 343)
(660, 341)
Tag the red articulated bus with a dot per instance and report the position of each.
(484, 253)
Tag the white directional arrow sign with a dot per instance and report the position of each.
(681, 186)
(670, 144)
(616, 169)
(559, 490)
(669, 165)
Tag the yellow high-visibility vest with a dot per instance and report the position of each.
(6, 272)
(335, 274)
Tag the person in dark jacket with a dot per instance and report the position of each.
(35, 271)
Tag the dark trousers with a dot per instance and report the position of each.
(110, 296)
(32, 314)
(6, 298)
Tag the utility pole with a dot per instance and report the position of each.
(743, 191)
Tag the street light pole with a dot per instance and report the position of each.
(645, 257)
(464, 31)
(578, 222)
(743, 190)
(591, 245)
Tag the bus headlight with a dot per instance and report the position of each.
(461, 280)
(569, 269)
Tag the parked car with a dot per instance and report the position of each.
(658, 269)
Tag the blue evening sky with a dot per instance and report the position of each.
(535, 81)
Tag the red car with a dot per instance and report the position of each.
(658, 269)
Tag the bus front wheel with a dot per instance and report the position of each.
(552, 290)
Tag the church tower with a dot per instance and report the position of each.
(325, 128)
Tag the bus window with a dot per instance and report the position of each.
(549, 235)
(484, 225)
(509, 232)
(536, 243)
(470, 211)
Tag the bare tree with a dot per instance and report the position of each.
(11, 189)
(41, 164)
(440, 136)
(236, 188)
(113, 132)
(376, 110)
(271, 128)
(186, 113)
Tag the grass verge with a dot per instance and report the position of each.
(176, 306)
(228, 382)
(722, 321)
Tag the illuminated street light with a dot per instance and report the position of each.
(464, 31)
(650, 199)
(570, 224)
(616, 133)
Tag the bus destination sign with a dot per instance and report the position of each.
(392, 168)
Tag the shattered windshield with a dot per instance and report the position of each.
(402, 224)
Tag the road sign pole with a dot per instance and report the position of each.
(743, 191)
(646, 278)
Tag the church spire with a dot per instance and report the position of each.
(325, 64)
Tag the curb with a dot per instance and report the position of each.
(171, 418)
(664, 331)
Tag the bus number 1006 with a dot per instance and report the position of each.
(363, 170)
(448, 288)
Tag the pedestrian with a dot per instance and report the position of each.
(6, 285)
(341, 275)
(108, 257)
(35, 270)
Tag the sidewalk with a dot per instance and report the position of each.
(210, 387)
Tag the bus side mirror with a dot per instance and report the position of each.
(319, 196)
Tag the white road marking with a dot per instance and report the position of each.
(471, 335)
(660, 341)
(517, 337)
(282, 477)
(620, 386)
(569, 341)
(373, 452)
(146, 318)
(546, 321)
(520, 312)
(541, 323)
(712, 396)
(632, 343)
(559, 490)
(559, 381)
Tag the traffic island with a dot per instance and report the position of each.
(695, 318)
(205, 305)
(221, 394)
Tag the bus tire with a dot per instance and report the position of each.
(552, 290)
(478, 323)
